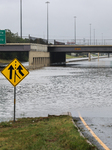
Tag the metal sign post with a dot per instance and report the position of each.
(14, 102)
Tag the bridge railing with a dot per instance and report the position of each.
(81, 41)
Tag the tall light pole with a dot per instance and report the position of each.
(47, 24)
(75, 29)
(90, 34)
(21, 18)
(94, 36)
(102, 38)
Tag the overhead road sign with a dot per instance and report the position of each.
(2, 37)
(15, 72)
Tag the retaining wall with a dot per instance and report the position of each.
(38, 59)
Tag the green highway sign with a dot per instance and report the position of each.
(2, 37)
(2, 32)
(2, 40)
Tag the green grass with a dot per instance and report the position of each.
(69, 56)
(50, 133)
(5, 61)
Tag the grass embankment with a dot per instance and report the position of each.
(4, 61)
(50, 133)
(70, 56)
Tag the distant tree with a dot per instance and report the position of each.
(14, 38)
(21, 56)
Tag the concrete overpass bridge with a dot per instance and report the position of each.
(44, 55)
(38, 53)
(58, 52)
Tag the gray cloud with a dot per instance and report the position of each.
(61, 18)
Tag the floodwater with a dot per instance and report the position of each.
(84, 87)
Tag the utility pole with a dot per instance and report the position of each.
(94, 36)
(21, 18)
(75, 29)
(90, 34)
(47, 24)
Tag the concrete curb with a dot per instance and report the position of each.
(69, 114)
(81, 133)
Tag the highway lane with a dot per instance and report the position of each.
(100, 122)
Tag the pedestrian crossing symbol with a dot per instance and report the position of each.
(15, 72)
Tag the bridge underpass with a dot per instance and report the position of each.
(58, 52)
(45, 55)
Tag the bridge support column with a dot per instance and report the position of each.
(57, 58)
(38, 59)
(89, 57)
(98, 56)
(108, 55)
(34, 61)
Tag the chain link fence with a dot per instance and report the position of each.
(84, 41)
(80, 42)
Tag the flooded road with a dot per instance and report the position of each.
(84, 87)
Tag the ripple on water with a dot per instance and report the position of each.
(53, 90)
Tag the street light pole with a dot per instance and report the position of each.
(94, 36)
(75, 29)
(21, 18)
(90, 34)
(102, 38)
(47, 24)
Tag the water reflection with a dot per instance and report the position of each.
(106, 62)
(53, 90)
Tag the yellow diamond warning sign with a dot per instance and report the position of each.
(15, 72)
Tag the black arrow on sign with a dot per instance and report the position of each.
(20, 68)
(10, 68)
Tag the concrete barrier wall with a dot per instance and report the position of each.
(38, 59)
(38, 47)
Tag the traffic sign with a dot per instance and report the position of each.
(15, 72)
(2, 32)
(2, 37)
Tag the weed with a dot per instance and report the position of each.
(47, 133)
(6, 124)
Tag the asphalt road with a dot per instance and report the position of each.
(100, 125)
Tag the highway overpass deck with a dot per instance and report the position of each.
(23, 47)
(56, 48)
(80, 48)
(15, 47)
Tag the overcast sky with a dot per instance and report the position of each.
(61, 18)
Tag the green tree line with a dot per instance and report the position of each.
(14, 38)
(21, 56)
